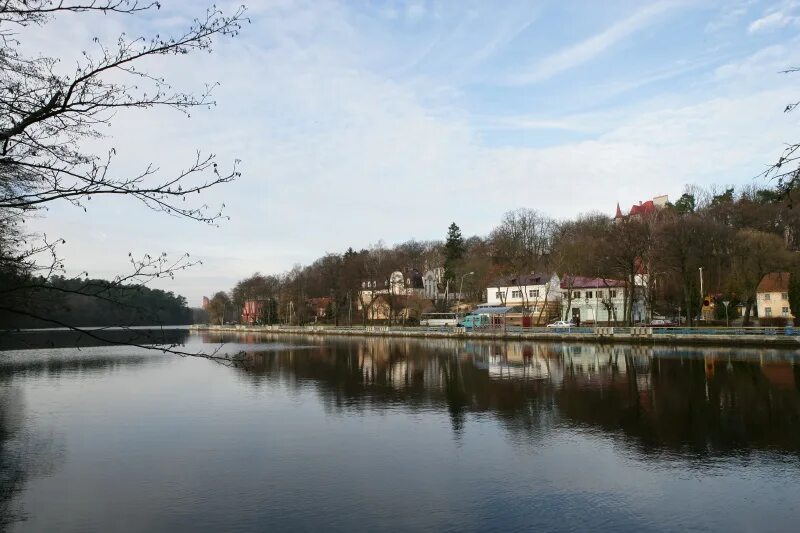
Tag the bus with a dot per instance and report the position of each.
(439, 319)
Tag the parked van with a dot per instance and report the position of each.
(475, 321)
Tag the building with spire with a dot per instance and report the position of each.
(642, 208)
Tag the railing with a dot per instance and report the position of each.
(788, 331)
(770, 331)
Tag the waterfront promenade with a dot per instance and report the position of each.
(753, 337)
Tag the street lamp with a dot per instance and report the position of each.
(461, 288)
(702, 293)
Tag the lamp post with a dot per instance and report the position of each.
(727, 322)
(702, 293)
(461, 289)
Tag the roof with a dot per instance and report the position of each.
(515, 281)
(774, 282)
(642, 208)
(491, 310)
(583, 282)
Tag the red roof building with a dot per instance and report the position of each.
(643, 208)
(772, 296)
(319, 306)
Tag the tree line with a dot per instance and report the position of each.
(97, 302)
(52, 113)
(735, 235)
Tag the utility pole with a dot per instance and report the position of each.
(702, 293)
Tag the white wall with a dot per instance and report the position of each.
(776, 302)
(593, 309)
(541, 293)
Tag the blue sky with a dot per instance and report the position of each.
(362, 121)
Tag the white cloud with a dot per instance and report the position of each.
(780, 18)
(584, 51)
(766, 62)
(336, 154)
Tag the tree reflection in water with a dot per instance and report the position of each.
(670, 402)
(26, 450)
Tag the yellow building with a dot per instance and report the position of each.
(772, 296)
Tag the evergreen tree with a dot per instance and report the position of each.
(685, 204)
(454, 250)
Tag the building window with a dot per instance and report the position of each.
(767, 311)
(785, 311)
(516, 294)
(533, 293)
(598, 294)
(498, 295)
(612, 294)
(576, 294)
(588, 294)
(785, 296)
(766, 296)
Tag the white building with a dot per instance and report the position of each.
(398, 284)
(599, 300)
(431, 282)
(530, 291)
(436, 289)
(772, 296)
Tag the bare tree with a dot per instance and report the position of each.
(48, 112)
(786, 170)
(756, 254)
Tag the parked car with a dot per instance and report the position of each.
(561, 324)
(661, 323)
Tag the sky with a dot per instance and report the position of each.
(358, 122)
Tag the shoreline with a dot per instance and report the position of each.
(638, 336)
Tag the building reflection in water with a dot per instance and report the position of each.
(676, 400)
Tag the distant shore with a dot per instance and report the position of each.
(640, 336)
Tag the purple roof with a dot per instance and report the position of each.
(583, 282)
(527, 279)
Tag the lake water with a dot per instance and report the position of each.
(378, 434)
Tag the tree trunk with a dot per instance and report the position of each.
(747, 310)
(688, 299)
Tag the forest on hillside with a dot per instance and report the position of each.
(96, 302)
(736, 236)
